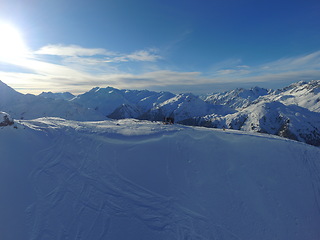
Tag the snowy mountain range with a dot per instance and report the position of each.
(68, 171)
(142, 180)
(28, 106)
(291, 112)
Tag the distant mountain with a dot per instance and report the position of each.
(125, 111)
(184, 106)
(291, 112)
(303, 94)
(62, 95)
(275, 118)
(110, 101)
(28, 106)
(238, 98)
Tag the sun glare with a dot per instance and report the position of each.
(12, 45)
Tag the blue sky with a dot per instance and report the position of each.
(180, 46)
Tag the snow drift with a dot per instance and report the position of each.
(130, 179)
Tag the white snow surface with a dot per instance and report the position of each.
(237, 98)
(303, 94)
(131, 179)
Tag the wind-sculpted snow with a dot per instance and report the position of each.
(132, 179)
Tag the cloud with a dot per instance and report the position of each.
(78, 69)
(71, 50)
(298, 63)
(144, 55)
(98, 55)
(303, 66)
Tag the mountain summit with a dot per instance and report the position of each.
(291, 112)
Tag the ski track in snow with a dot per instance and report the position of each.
(216, 186)
(96, 194)
(314, 170)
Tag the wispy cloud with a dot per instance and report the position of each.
(71, 50)
(77, 69)
(303, 67)
(149, 55)
(98, 55)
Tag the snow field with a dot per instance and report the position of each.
(132, 179)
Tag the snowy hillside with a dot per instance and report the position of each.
(139, 180)
(291, 112)
(303, 94)
(291, 121)
(238, 98)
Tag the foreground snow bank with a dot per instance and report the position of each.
(131, 179)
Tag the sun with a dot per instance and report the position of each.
(12, 45)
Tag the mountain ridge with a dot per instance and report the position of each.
(229, 110)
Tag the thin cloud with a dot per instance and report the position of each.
(71, 51)
(298, 63)
(100, 55)
(294, 67)
(77, 69)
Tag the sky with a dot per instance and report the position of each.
(201, 46)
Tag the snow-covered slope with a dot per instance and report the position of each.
(28, 106)
(107, 100)
(291, 121)
(138, 180)
(238, 98)
(303, 94)
(103, 100)
(184, 106)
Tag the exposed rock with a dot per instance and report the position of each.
(5, 119)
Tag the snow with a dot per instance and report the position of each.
(61, 95)
(107, 100)
(256, 109)
(238, 98)
(28, 106)
(303, 94)
(130, 179)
